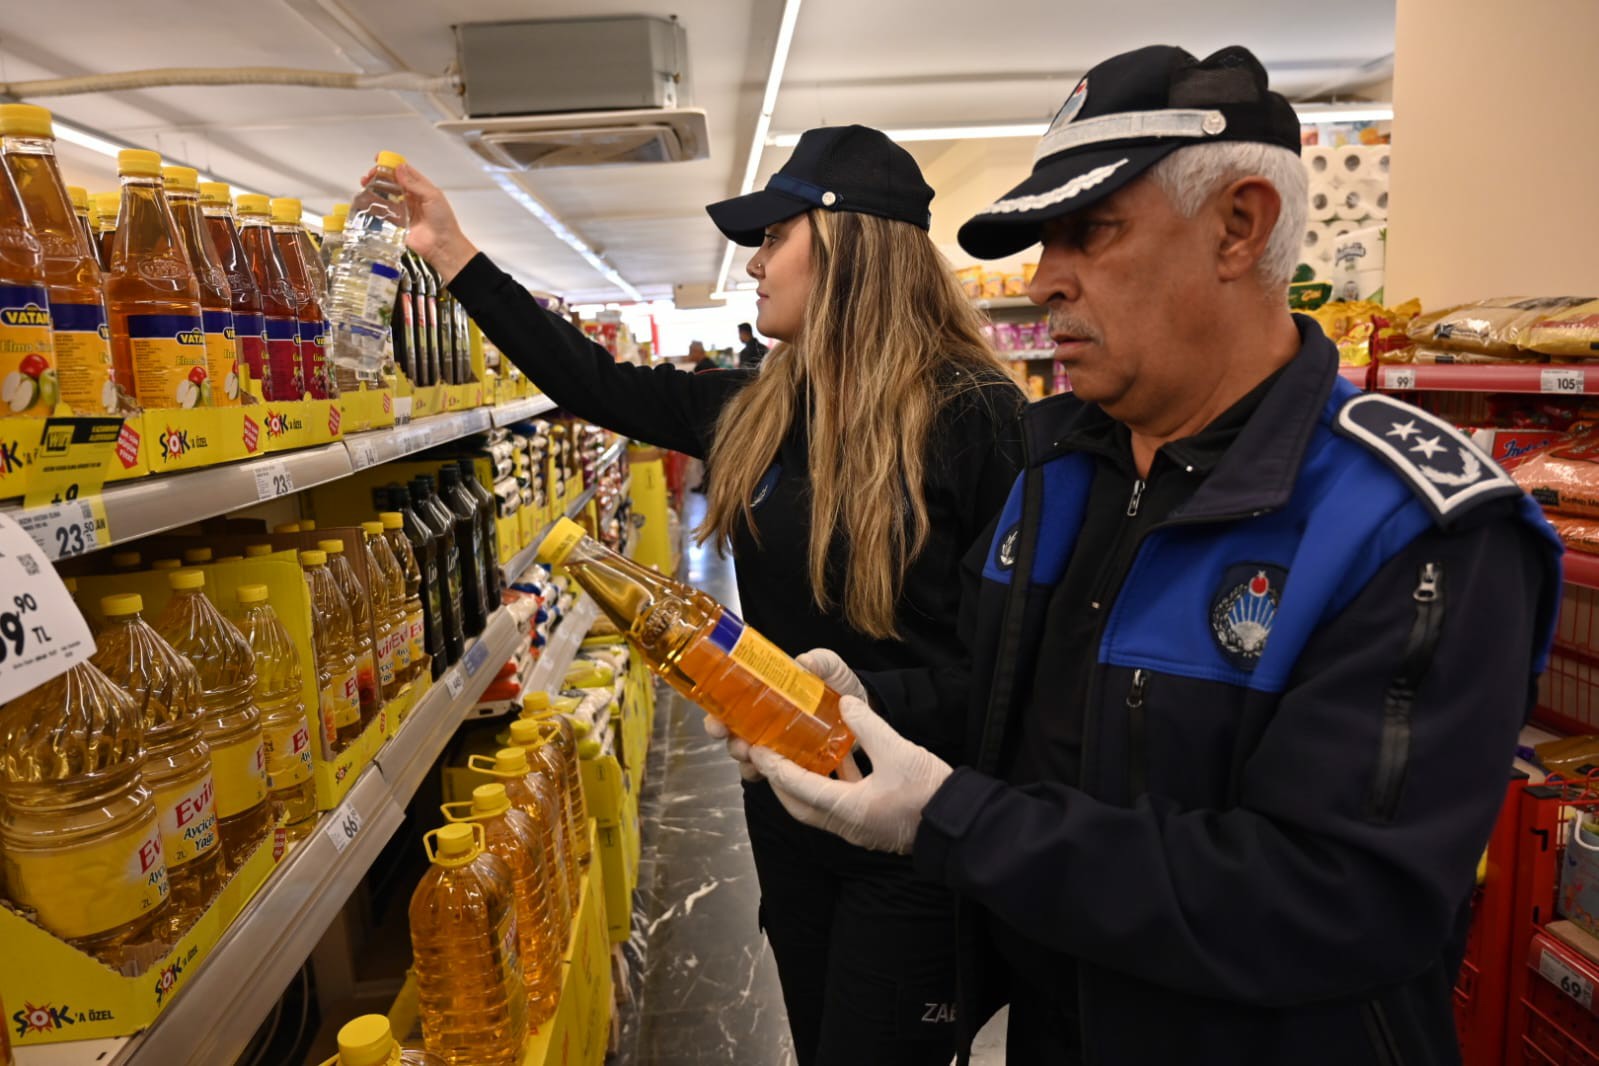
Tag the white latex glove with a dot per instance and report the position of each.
(738, 749)
(881, 810)
(826, 664)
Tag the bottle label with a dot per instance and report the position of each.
(344, 694)
(313, 359)
(288, 753)
(83, 889)
(366, 676)
(382, 285)
(240, 772)
(188, 812)
(83, 358)
(221, 356)
(284, 377)
(419, 636)
(249, 332)
(169, 360)
(386, 659)
(767, 662)
(401, 644)
(28, 384)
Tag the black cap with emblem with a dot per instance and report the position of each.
(840, 168)
(1125, 115)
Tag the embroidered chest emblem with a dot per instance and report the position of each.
(1007, 549)
(1243, 610)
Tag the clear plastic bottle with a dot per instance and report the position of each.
(103, 209)
(368, 1041)
(249, 321)
(79, 829)
(532, 793)
(177, 767)
(152, 296)
(362, 630)
(514, 837)
(216, 298)
(334, 643)
(388, 608)
(284, 378)
(287, 235)
(534, 739)
(464, 950)
(707, 653)
(232, 722)
(333, 236)
(366, 275)
(81, 339)
(283, 720)
(560, 734)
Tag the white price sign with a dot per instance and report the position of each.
(1566, 381)
(361, 454)
(1566, 978)
(1398, 377)
(69, 528)
(344, 826)
(42, 632)
(273, 480)
(455, 683)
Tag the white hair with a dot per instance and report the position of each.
(1190, 176)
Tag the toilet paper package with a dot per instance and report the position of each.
(1359, 251)
(1360, 200)
(1356, 162)
(1324, 200)
(1318, 160)
(1360, 285)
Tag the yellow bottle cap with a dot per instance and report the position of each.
(525, 733)
(215, 192)
(138, 163)
(166, 564)
(392, 160)
(252, 593)
(307, 525)
(231, 559)
(186, 579)
(256, 551)
(511, 760)
(536, 701)
(392, 520)
(252, 203)
(332, 547)
(123, 603)
(287, 527)
(79, 197)
(24, 120)
(455, 844)
(489, 800)
(106, 204)
(181, 179)
(126, 559)
(285, 209)
(559, 542)
(313, 558)
(366, 1041)
(588, 748)
(372, 529)
(340, 209)
(197, 555)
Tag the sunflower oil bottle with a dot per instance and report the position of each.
(284, 378)
(284, 728)
(558, 732)
(334, 643)
(464, 949)
(361, 629)
(534, 739)
(513, 836)
(27, 353)
(177, 766)
(286, 235)
(369, 1041)
(152, 296)
(232, 722)
(79, 334)
(103, 207)
(388, 609)
(78, 828)
(182, 186)
(531, 792)
(707, 653)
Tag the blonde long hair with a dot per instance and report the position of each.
(886, 327)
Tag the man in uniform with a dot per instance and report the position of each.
(1251, 649)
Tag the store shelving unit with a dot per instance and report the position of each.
(1005, 303)
(526, 557)
(1545, 378)
(520, 410)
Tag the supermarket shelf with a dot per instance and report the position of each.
(214, 1016)
(1356, 375)
(386, 445)
(519, 410)
(1029, 355)
(1581, 569)
(525, 558)
(551, 667)
(1556, 380)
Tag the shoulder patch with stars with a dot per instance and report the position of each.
(1440, 463)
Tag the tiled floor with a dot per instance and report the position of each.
(702, 979)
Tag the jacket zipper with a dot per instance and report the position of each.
(1137, 764)
(1137, 496)
(1381, 1035)
(1393, 753)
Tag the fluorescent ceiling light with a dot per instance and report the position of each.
(1309, 115)
(84, 139)
(562, 232)
(763, 124)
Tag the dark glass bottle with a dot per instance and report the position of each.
(469, 539)
(441, 520)
(401, 327)
(430, 324)
(425, 546)
(487, 510)
(449, 355)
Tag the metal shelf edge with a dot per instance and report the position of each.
(518, 410)
(552, 665)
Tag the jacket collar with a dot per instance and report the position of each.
(1258, 472)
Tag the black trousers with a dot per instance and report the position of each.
(865, 947)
